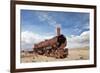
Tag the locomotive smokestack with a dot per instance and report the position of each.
(58, 30)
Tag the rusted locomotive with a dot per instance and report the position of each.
(54, 47)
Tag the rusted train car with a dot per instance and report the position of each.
(54, 47)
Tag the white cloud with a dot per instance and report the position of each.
(86, 26)
(28, 39)
(43, 16)
(78, 41)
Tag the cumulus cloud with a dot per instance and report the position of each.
(79, 41)
(28, 39)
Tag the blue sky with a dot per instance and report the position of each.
(43, 22)
(39, 25)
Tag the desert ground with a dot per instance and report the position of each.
(73, 54)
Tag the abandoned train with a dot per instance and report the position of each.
(54, 47)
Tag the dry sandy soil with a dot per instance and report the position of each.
(74, 54)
